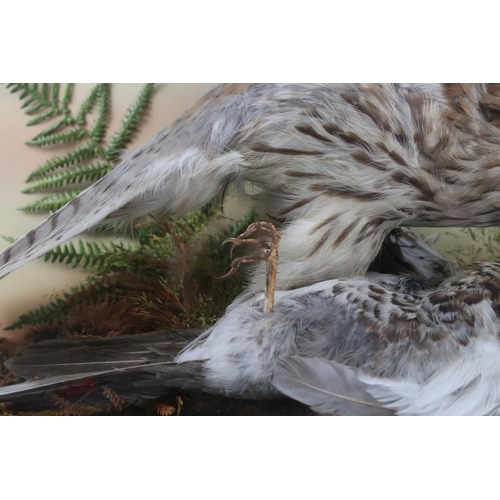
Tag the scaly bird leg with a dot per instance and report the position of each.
(270, 255)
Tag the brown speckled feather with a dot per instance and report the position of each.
(340, 164)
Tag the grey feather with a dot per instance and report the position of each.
(67, 357)
(326, 386)
(134, 385)
(136, 367)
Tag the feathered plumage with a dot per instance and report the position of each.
(327, 387)
(341, 165)
(374, 345)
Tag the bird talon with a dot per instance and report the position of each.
(269, 254)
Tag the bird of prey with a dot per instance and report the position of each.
(378, 345)
(340, 165)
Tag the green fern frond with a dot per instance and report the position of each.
(37, 107)
(88, 104)
(59, 307)
(88, 254)
(90, 172)
(66, 120)
(98, 129)
(42, 117)
(51, 203)
(66, 97)
(54, 95)
(42, 315)
(63, 137)
(39, 98)
(129, 124)
(78, 155)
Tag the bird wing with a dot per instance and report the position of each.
(414, 352)
(327, 387)
(181, 169)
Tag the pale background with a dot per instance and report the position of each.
(37, 282)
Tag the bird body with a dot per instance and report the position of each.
(340, 165)
(374, 345)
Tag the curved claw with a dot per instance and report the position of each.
(233, 242)
(270, 254)
(236, 263)
(231, 272)
(236, 242)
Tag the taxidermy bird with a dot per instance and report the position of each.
(378, 345)
(340, 165)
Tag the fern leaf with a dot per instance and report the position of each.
(60, 306)
(90, 172)
(66, 96)
(54, 97)
(87, 105)
(98, 129)
(87, 254)
(42, 315)
(64, 137)
(78, 155)
(39, 106)
(49, 130)
(91, 291)
(29, 102)
(35, 97)
(13, 87)
(42, 116)
(129, 124)
(51, 203)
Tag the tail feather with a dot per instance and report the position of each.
(136, 368)
(87, 210)
(71, 357)
(134, 384)
(326, 386)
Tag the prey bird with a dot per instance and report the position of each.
(339, 165)
(378, 345)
